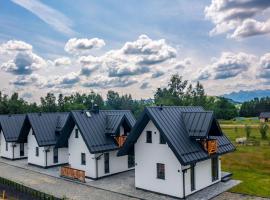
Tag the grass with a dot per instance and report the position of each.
(250, 164)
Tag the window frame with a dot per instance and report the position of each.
(76, 133)
(37, 152)
(160, 171)
(106, 163)
(131, 161)
(149, 137)
(6, 146)
(83, 159)
(55, 155)
(21, 149)
(161, 139)
(215, 168)
(192, 178)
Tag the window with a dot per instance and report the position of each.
(161, 139)
(21, 149)
(160, 171)
(6, 146)
(106, 163)
(37, 151)
(76, 133)
(214, 163)
(83, 160)
(55, 155)
(148, 136)
(131, 161)
(192, 177)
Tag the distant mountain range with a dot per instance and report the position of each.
(242, 96)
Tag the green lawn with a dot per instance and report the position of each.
(250, 164)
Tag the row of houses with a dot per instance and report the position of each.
(174, 150)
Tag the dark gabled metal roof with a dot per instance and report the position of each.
(93, 128)
(48, 126)
(13, 125)
(170, 122)
(264, 115)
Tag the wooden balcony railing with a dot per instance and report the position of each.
(72, 173)
(210, 146)
(120, 140)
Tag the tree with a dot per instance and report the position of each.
(48, 104)
(247, 130)
(263, 128)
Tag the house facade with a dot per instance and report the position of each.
(95, 140)
(170, 155)
(12, 146)
(46, 129)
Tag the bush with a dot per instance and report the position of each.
(263, 130)
(248, 131)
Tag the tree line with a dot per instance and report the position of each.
(178, 92)
(254, 107)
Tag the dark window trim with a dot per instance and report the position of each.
(215, 168)
(192, 178)
(37, 151)
(6, 146)
(106, 163)
(76, 133)
(161, 171)
(161, 139)
(83, 159)
(21, 149)
(55, 155)
(149, 137)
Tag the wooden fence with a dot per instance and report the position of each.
(27, 190)
(72, 173)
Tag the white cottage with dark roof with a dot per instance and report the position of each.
(177, 150)
(12, 146)
(95, 140)
(46, 130)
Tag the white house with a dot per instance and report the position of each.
(95, 140)
(44, 135)
(12, 146)
(177, 150)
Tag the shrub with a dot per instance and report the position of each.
(263, 130)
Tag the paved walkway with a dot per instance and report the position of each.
(120, 186)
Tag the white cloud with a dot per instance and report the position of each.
(16, 45)
(23, 63)
(78, 46)
(264, 66)
(47, 14)
(239, 18)
(28, 80)
(62, 61)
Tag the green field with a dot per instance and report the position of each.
(250, 164)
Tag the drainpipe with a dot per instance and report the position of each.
(46, 156)
(96, 159)
(184, 184)
(13, 146)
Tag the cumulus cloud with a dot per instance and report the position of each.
(77, 46)
(183, 64)
(28, 80)
(62, 61)
(90, 64)
(227, 66)
(66, 81)
(238, 18)
(16, 45)
(144, 85)
(264, 66)
(23, 63)
(157, 74)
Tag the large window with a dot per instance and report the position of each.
(6, 146)
(214, 163)
(37, 151)
(76, 133)
(161, 139)
(21, 149)
(148, 136)
(55, 155)
(160, 171)
(106, 163)
(83, 160)
(131, 161)
(192, 177)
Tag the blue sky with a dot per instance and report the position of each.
(132, 46)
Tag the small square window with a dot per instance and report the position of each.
(148, 136)
(161, 139)
(83, 160)
(160, 171)
(76, 133)
(37, 151)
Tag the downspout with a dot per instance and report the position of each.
(46, 156)
(184, 184)
(96, 160)
(13, 146)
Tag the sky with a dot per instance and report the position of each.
(132, 46)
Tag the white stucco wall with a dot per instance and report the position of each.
(12, 146)
(147, 155)
(76, 146)
(41, 159)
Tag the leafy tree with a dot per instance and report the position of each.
(263, 128)
(48, 104)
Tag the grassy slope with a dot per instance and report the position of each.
(250, 164)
